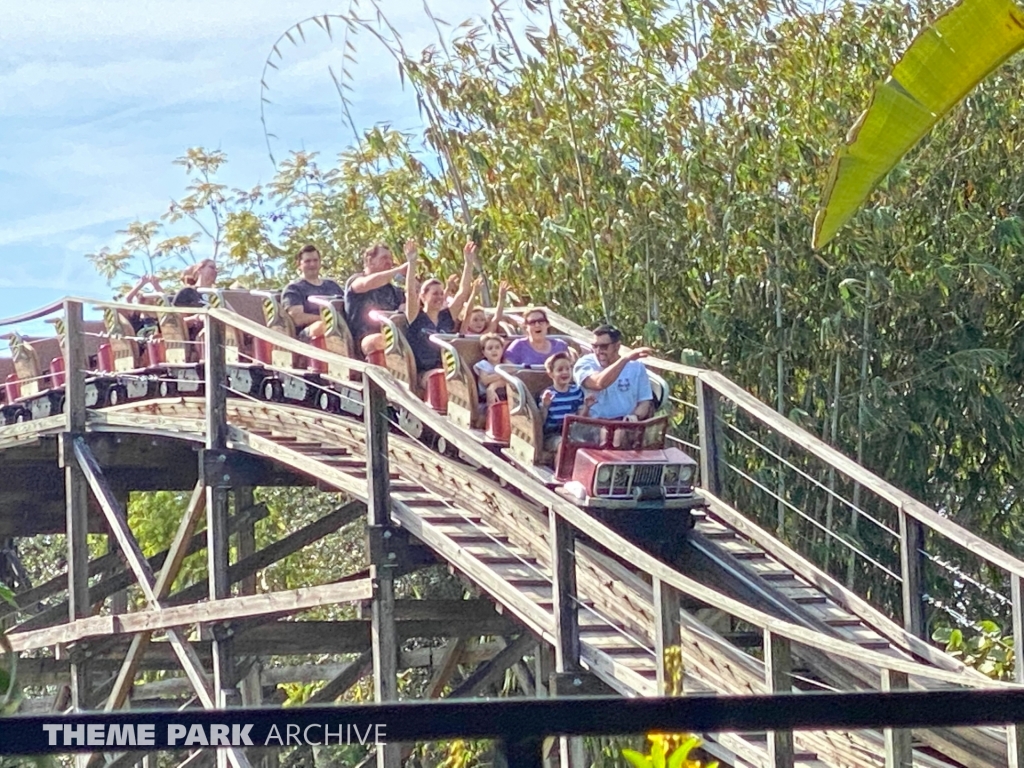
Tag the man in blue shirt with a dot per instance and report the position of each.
(619, 382)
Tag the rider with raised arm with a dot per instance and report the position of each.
(619, 382)
(373, 289)
(427, 312)
(295, 299)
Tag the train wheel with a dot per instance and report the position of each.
(59, 408)
(22, 415)
(325, 401)
(117, 394)
(167, 389)
(409, 424)
(273, 391)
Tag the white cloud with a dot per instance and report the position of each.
(98, 96)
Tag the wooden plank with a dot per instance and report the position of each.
(667, 638)
(74, 368)
(490, 671)
(75, 489)
(76, 499)
(290, 601)
(847, 600)
(525, 610)
(564, 595)
(241, 439)
(243, 499)
(375, 419)
(344, 680)
(898, 751)
(449, 665)
(912, 571)
(219, 587)
(172, 565)
(216, 384)
(351, 639)
(112, 579)
(384, 644)
(128, 419)
(707, 407)
(778, 670)
(1015, 732)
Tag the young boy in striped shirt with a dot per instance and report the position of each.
(563, 398)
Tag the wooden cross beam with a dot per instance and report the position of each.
(139, 565)
(172, 565)
(495, 668)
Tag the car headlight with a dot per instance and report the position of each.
(604, 474)
(686, 473)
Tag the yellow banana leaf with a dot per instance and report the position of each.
(943, 64)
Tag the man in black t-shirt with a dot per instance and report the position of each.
(371, 290)
(295, 298)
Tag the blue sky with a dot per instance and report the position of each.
(97, 97)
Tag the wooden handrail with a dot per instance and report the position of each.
(955, 533)
(597, 531)
(537, 492)
(284, 342)
(34, 314)
(840, 461)
(594, 529)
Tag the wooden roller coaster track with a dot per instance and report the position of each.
(748, 613)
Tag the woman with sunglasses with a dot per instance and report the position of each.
(536, 348)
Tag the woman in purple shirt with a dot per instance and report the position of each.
(536, 347)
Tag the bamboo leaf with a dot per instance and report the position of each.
(637, 759)
(943, 64)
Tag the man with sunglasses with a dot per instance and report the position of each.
(619, 382)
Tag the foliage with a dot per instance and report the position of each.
(664, 756)
(945, 62)
(8, 694)
(675, 152)
(988, 650)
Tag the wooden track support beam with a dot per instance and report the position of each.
(489, 672)
(912, 572)
(1015, 732)
(139, 565)
(898, 750)
(348, 677)
(778, 671)
(384, 638)
(566, 611)
(169, 571)
(710, 442)
(76, 496)
(667, 639)
(225, 687)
